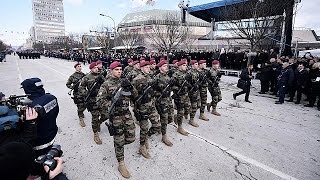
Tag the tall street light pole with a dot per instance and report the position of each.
(114, 29)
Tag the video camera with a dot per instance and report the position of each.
(48, 159)
(13, 111)
(20, 104)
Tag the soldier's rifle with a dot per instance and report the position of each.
(75, 85)
(93, 87)
(145, 91)
(199, 81)
(114, 100)
(165, 89)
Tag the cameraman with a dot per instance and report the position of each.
(16, 157)
(47, 107)
(25, 131)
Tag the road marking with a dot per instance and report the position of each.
(18, 69)
(63, 74)
(246, 159)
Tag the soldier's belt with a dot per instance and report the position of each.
(44, 145)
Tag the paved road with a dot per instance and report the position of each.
(249, 141)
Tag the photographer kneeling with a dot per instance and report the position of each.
(17, 155)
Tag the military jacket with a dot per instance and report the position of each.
(74, 81)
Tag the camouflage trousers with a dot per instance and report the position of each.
(165, 110)
(216, 96)
(124, 133)
(194, 102)
(96, 120)
(81, 107)
(203, 98)
(183, 107)
(147, 112)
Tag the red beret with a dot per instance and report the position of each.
(152, 61)
(115, 64)
(215, 62)
(202, 61)
(92, 65)
(162, 58)
(162, 62)
(152, 58)
(142, 58)
(182, 62)
(135, 62)
(144, 63)
(76, 65)
(130, 60)
(192, 62)
(184, 59)
(175, 61)
(99, 62)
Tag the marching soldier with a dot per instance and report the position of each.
(194, 94)
(153, 70)
(173, 68)
(180, 96)
(163, 99)
(203, 88)
(121, 120)
(73, 84)
(88, 90)
(136, 70)
(213, 87)
(145, 107)
(127, 70)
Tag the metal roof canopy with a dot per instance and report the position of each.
(214, 9)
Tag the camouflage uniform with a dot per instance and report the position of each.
(87, 82)
(127, 70)
(73, 83)
(213, 87)
(203, 89)
(134, 73)
(146, 108)
(194, 94)
(122, 120)
(181, 100)
(164, 104)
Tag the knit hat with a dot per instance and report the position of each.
(161, 63)
(114, 65)
(92, 65)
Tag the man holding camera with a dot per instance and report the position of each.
(120, 117)
(73, 84)
(17, 155)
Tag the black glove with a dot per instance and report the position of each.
(100, 79)
(127, 86)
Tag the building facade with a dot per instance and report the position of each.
(48, 20)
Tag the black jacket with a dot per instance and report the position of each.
(245, 73)
(301, 77)
(286, 77)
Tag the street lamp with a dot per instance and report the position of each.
(114, 28)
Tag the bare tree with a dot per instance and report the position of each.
(102, 35)
(255, 20)
(3, 46)
(130, 37)
(168, 34)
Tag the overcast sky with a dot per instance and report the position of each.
(83, 15)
